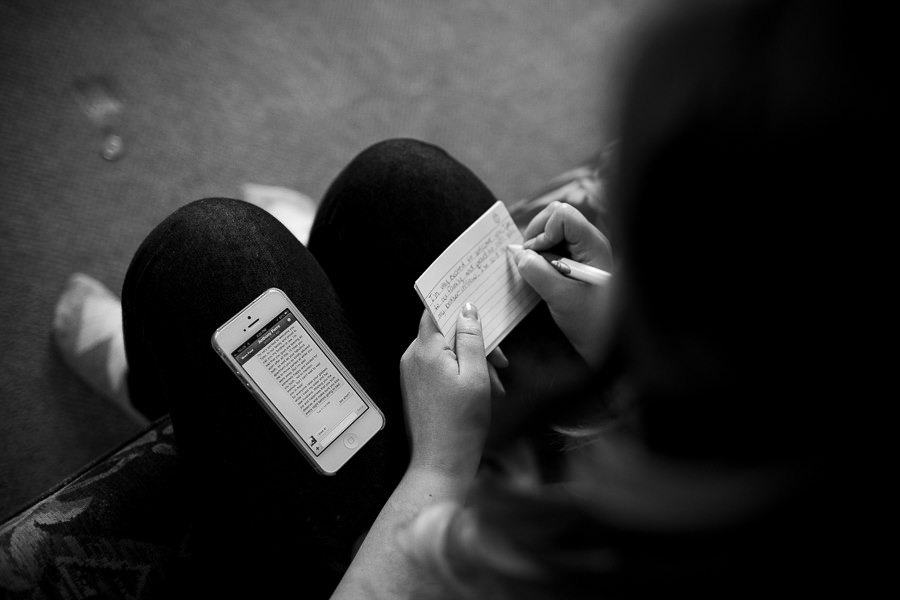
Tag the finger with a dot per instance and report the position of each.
(497, 389)
(427, 326)
(498, 359)
(543, 277)
(601, 257)
(565, 223)
(469, 340)
(539, 221)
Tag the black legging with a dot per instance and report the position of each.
(262, 516)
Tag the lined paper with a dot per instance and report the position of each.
(477, 268)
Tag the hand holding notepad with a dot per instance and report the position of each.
(477, 268)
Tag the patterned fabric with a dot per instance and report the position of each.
(112, 531)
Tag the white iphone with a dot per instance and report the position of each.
(303, 386)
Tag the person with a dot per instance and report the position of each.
(210, 258)
(671, 432)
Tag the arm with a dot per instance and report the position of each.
(446, 396)
(381, 568)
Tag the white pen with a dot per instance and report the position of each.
(571, 268)
(576, 270)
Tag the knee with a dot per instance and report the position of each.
(210, 214)
(399, 163)
(208, 223)
(411, 157)
(400, 174)
(401, 152)
(204, 236)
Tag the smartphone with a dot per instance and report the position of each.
(303, 386)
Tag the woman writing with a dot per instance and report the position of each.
(672, 430)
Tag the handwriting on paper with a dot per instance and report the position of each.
(477, 268)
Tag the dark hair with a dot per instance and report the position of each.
(745, 151)
(748, 175)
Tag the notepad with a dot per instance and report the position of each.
(477, 268)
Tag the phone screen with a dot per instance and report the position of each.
(301, 381)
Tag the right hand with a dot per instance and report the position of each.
(447, 396)
(580, 310)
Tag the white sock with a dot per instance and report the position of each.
(87, 329)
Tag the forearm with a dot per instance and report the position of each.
(381, 568)
(447, 401)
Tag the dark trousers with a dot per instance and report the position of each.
(262, 517)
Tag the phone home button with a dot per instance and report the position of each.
(351, 441)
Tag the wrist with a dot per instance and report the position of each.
(455, 471)
(440, 486)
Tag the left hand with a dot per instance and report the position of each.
(447, 396)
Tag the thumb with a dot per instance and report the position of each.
(549, 283)
(469, 340)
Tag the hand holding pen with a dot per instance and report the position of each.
(576, 289)
(570, 268)
(561, 224)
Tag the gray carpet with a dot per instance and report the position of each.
(218, 93)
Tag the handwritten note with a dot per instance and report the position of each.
(477, 268)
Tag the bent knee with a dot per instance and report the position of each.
(402, 163)
(205, 231)
(402, 152)
(213, 212)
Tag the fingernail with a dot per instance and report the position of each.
(469, 311)
(561, 267)
(528, 244)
